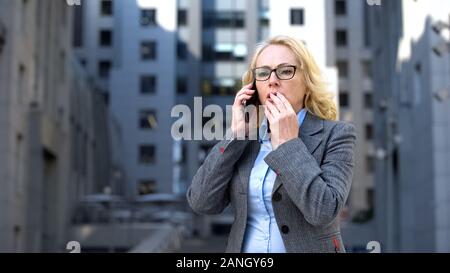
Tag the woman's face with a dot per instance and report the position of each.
(294, 89)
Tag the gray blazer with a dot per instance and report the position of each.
(314, 175)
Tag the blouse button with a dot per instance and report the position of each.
(277, 197)
(285, 229)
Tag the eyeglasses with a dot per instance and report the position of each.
(286, 72)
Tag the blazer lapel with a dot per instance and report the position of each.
(309, 133)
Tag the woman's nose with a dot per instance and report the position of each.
(273, 79)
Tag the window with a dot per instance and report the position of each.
(78, 27)
(220, 86)
(370, 198)
(105, 96)
(207, 53)
(148, 17)
(340, 7)
(344, 99)
(182, 17)
(62, 65)
(147, 119)
(105, 38)
(21, 84)
(342, 67)
(184, 153)
(370, 164)
(368, 100)
(148, 50)
(147, 154)
(106, 8)
(223, 19)
(224, 52)
(341, 37)
(148, 84)
(206, 87)
(297, 17)
(182, 51)
(369, 131)
(103, 68)
(366, 22)
(182, 85)
(367, 69)
(264, 17)
(146, 186)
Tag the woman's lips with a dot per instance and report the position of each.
(272, 92)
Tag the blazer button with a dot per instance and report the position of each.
(285, 229)
(277, 197)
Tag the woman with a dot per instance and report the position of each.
(288, 187)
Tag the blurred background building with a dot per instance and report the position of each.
(354, 62)
(54, 140)
(411, 110)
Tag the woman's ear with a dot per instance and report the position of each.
(306, 97)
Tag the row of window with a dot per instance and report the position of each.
(343, 68)
(147, 186)
(220, 86)
(236, 19)
(147, 154)
(218, 52)
(224, 52)
(340, 10)
(147, 18)
(344, 100)
(223, 19)
(211, 19)
(147, 83)
(148, 53)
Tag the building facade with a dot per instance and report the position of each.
(411, 109)
(128, 49)
(50, 150)
(354, 62)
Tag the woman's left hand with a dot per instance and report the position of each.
(282, 118)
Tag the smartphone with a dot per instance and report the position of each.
(254, 100)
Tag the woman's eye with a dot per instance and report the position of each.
(286, 71)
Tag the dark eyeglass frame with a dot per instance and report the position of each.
(276, 73)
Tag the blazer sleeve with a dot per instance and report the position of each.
(319, 191)
(209, 190)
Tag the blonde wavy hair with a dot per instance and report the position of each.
(318, 100)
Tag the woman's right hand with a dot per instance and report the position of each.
(239, 127)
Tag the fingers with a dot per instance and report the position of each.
(272, 107)
(277, 102)
(246, 89)
(286, 103)
(241, 97)
(269, 114)
(244, 94)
